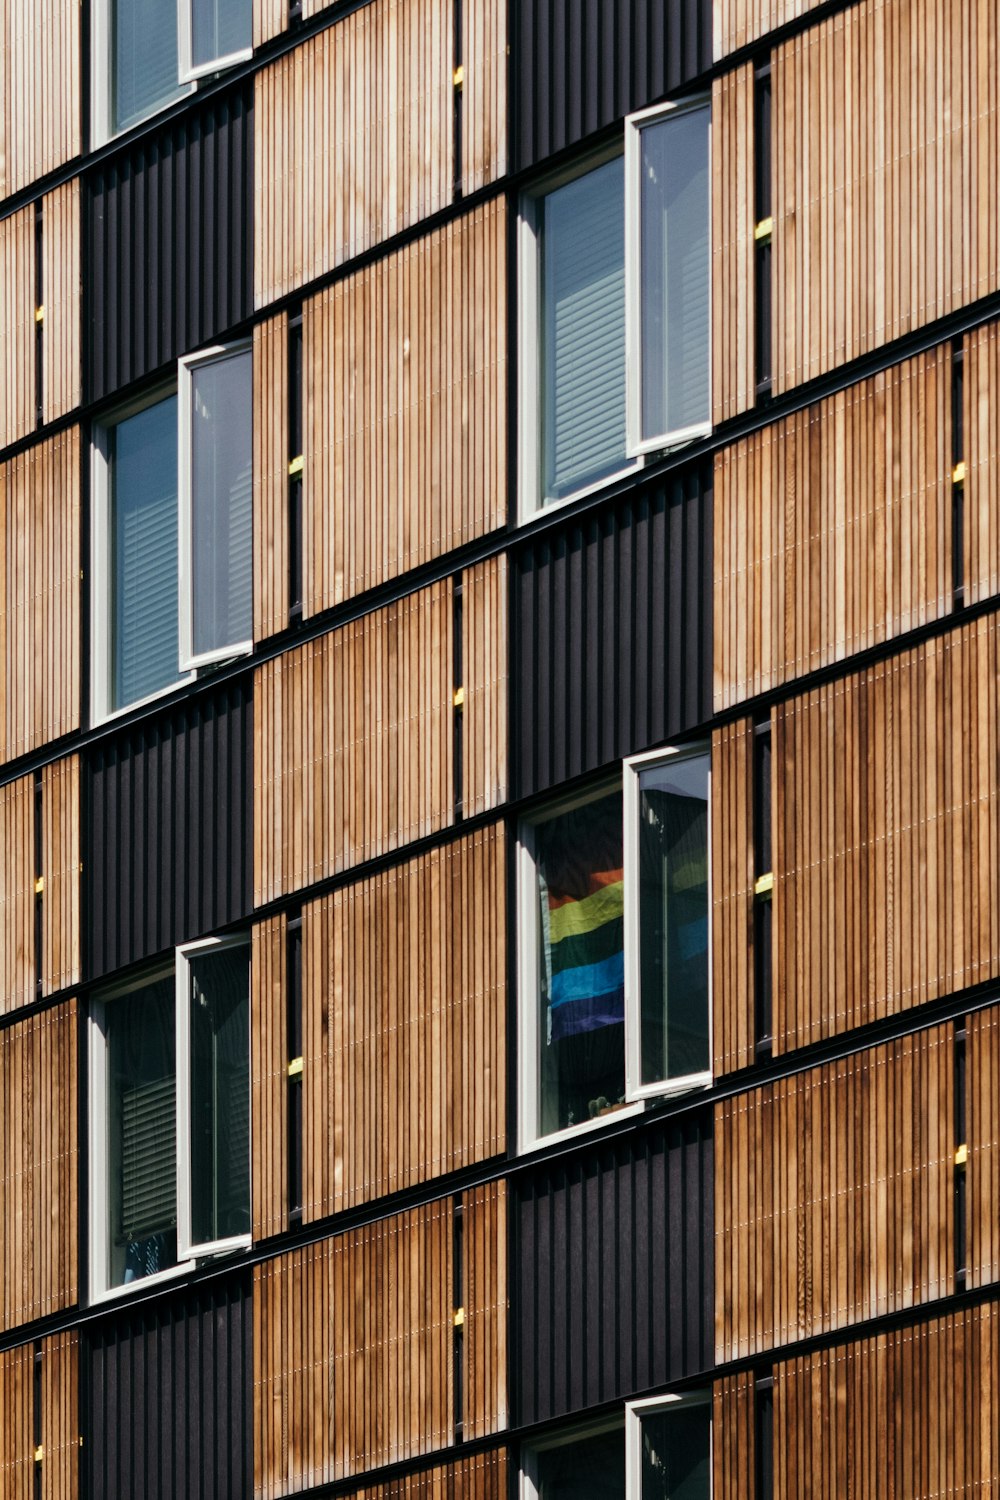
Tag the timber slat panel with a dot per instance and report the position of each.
(908, 1415)
(404, 1021)
(38, 1165)
(834, 1195)
(833, 528)
(484, 671)
(269, 1076)
(740, 22)
(270, 477)
(17, 323)
(982, 1134)
(61, 1416)
(484, 93)
(40, 105)
(484, 1289)
(733, 378)
(62, 367)
(405, 431)
(733, 1473)
(17, 1408)
(17, 894)
(353, 140)
(483, 1476)
(40, 594)
(732, 897)
(886, 827)
(61, 966)
(981, 429)
(270, 19)
(353, 743)
(886, 157)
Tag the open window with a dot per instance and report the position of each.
(212, 34)
(669, 1447)
(577, 1461)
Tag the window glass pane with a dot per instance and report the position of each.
(220, 1094)
(674, 257)
(144, 58)
(591, 1466)
(218, 29)
(221, 501)
(581, 962)
(143, 452)
(142, 1163)
(673, 917)
(583, 342)
(676, 1450)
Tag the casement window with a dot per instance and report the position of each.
(665, 1453)
(613, 918)
(577, 1461)
(170, 1116)
(171, 532)
(147, 53)
(614, 308)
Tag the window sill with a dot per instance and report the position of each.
(97, 717)
(586, 1127)
(549, 507)
(133, 1288)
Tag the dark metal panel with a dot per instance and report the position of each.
(614, 1270)
(169, 243)
(582, 65)
(168, 828)
(613, 631)
(168, 1390)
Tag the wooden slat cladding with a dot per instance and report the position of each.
(60, 1397)
(271, 576)
(834, 1195)
(406, 433)
(40, 98)
(17, 1418)
(353, 743)
(404, 1074)
(61, 874)
(62, 370)
(733, 1473)
(833, 528)
(38, 1165)
(482, 1476)
(886, 826)
(269, 1077)
(740, 22)
(982, 1135)
(17, 323)
(733, 377)
(733, 974)
(484, 92)
(17, 894)
(484, 1292)
(981, 430)
(484, 670)
(908, 1415)
(353, 140)
(886, 156)
(40, 594)
(270, 19)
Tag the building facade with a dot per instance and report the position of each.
(499, 749)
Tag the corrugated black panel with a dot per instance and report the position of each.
(168, 1392)
(580, 65)
(613, 1265)
(613, 631)
(170, 243)
(168, 828)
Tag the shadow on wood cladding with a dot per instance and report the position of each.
(733, 974)
(269, 1077)
(740, 22)
(982, 1199)
(60, 894)
(733, 1434)
(62, 368)
(271, 457)
(40, 80)
(17, 323)
(733, 381)
(981, 423)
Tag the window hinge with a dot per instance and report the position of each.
(458, 77)
(295, 467)
(40, 314)
(295, 1068)
(39, 885)
(459, 1317)
(958, 473)
(39, 1454)
(962, 1155)
(763, 230)
(764, 884)
(458, 697)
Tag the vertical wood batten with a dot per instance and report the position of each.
(733, 383)
(982, 1135)
(270, 477)
(62, 369)
(60, 1396)
(405, 420)
(733, 1476)
(484, 90)
(40, 89)
(269, 1076)
(353, 139)
(981, 426)
(61, 872)
(17, 894)
(484, 1282)
(484, 660)
(17, 1432)
(270, 19)
(17, 321)
(732, 897)
(737, 23)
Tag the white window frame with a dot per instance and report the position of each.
(187, 1249)
(186, 367)
(631, 771)
(531, 500)
(100, 565)
(528, 1488)
(101, 65)
(651, 1406)
(635, 443)
(186, 70)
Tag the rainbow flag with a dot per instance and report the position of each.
(585, 953)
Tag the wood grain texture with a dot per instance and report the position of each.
(404, 1022)
(908, 1415)
(733, 975)
(40, 594)
(482, 1476)
(886, 824)
(270, 19)
(834, 1196)
(833, 528)
(405, 408)
(484, 93)
(484, 672)
(17, 894)
(61, 1416)
(981, 430)
(269, 1076)
(886, 158)
(353, 743)
(62, 367)
(271, 457)
(38, 1165)
(17, 1417)
(733, 377)
(737, 23)
(484, 1293)
(353, 140)
(733, 1432)
(982, 1136)
(17, 322)
(61, 871)
(40, 89)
